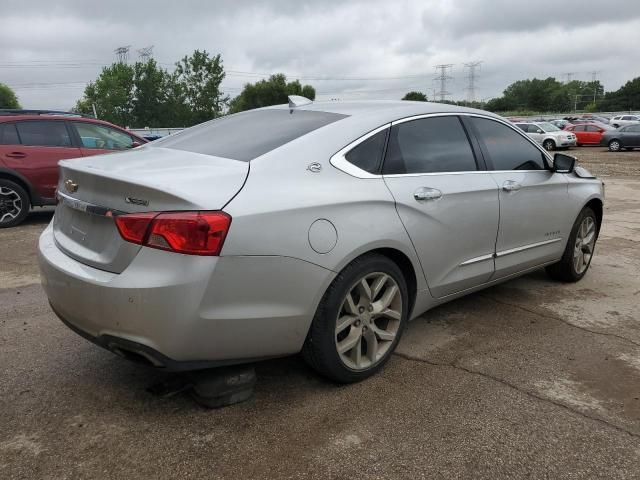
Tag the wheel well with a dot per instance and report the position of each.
(596, 206)
(19, 181)
(407, 269)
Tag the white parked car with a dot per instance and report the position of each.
(622, 120)
(548, 135)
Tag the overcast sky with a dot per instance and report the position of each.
(346, 49)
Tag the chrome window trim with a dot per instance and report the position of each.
(339, 161)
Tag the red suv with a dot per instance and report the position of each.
(31, 144)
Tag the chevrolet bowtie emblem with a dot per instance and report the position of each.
(70, 186)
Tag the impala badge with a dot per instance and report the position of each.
(70, 186)
(136, 201)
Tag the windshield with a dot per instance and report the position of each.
(245, 136)
(548, 127)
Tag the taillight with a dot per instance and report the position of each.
(191, 233)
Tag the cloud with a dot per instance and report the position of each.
(356, 49)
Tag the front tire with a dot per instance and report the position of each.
(549, 145)
(359, 320)
(614, 146)
(578, 253)
(14, 204)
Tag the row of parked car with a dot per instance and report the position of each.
(616, 133)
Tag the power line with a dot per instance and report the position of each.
(472, 77)
(443, 77)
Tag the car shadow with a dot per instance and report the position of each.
(39, 216)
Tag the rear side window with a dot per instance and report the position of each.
(522, 126)
(44, 133)
(248, 135)
(591, 128)
(368, 154)
(507, 149)
(429, 145)
(97, 136)
(9, 134)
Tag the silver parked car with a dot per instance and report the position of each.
(548, 135)
(314, 227)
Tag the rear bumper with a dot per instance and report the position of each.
(185, 312)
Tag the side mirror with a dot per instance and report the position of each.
(539, 131)
(135, 144)
(563, 163)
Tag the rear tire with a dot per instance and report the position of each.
(14, 204)
(354, 333)
(614, 146)
(549, 145)
(579, 251)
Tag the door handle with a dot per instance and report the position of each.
(511, 186)
(16, 155)
(425, 193)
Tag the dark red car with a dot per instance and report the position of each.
(589, 133)
(31, 144)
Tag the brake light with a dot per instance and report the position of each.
(191, 233)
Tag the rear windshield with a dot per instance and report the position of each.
(248, 135)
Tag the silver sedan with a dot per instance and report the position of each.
(320, 228)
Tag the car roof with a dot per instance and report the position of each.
(385, 109)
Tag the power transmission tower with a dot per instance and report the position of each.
(443, 77)
(122, 53)
(569, 76)
(594, 79)
(472, 77)
(145, 53)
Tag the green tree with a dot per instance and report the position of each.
(415, 96)
(273, 91)
(8, 98)
(112, 94)
(200, 76)
(626, 97)
(152, 105)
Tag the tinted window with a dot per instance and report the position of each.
(428, 145)
(248, 135)
(591, 128)
(633, 128)
(627, 117)
(368, 154)
(579, 128)
(44, 133)
(523, 126)
(8, 134)
(93, 135)
(507, 149)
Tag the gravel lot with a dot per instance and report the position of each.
(531, 378)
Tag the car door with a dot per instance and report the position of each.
(43, 143)
(592, 134)
(95, 138)
(534, 223)
(630, 136)
(446, 200)
(536, 133)
(578, 131)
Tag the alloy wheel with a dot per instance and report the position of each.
(10, 204)
(548, 145)
(368, 321)
(614, 146)
(585, 242)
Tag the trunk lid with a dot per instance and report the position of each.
(92, 190)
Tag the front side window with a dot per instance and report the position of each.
(368, 154)
(102, 137)
(9, 134)
(44, 133)
(429, 145)
(507, 149)
(578, 128)
(633, 128)
(592, 128)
